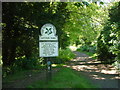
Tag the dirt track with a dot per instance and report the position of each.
(103, 76)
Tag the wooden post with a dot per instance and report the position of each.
(49, 70)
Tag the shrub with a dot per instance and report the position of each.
(103, 52)
(22, 63)
(108, 47)
(64, 55)
(87, 48)
(116, 64)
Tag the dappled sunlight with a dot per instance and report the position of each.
(1, 62)
(54, 65)
(73, 48)
(80, 58)
(85, 68)
(97, 77)
(108, 71)
(79, 68)
(102, 75)
(66, 66)
(93, 61)
(95, 69)
(117, 77)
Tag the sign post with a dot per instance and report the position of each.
(48, 44)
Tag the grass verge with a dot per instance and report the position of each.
(21, 74)
(65, 78)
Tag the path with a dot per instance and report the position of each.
(103, 76)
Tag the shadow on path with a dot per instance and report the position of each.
(101, 75)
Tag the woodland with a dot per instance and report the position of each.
(90, 27)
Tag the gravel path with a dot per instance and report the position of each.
(103, 76)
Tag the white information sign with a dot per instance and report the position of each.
(48, 49)
(48, 41)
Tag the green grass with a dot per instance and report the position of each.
(21, 74)
(65, 78)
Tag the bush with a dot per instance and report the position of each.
(87, 48)
(64, 55)
(83, 48)
(104, 45)
(27, 63)
(116, 64)
(22, 63)
(108, 47)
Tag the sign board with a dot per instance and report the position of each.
(48, 32)
(48, 41)
(48, 49)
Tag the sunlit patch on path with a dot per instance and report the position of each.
(104, 76)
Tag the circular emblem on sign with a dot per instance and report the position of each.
(48, 30)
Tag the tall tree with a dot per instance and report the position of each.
(108, 41)
(22, 23)
(85, 22)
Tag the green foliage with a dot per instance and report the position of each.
(87, 48)
(116, 64)
(103, 47)
(25, 63)
(22, 63)
(66, 40)
(108, 46)
(76, 22)
(21, 27)
(64, 55)
(115, 32)
(65, 78)
(85, 22)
